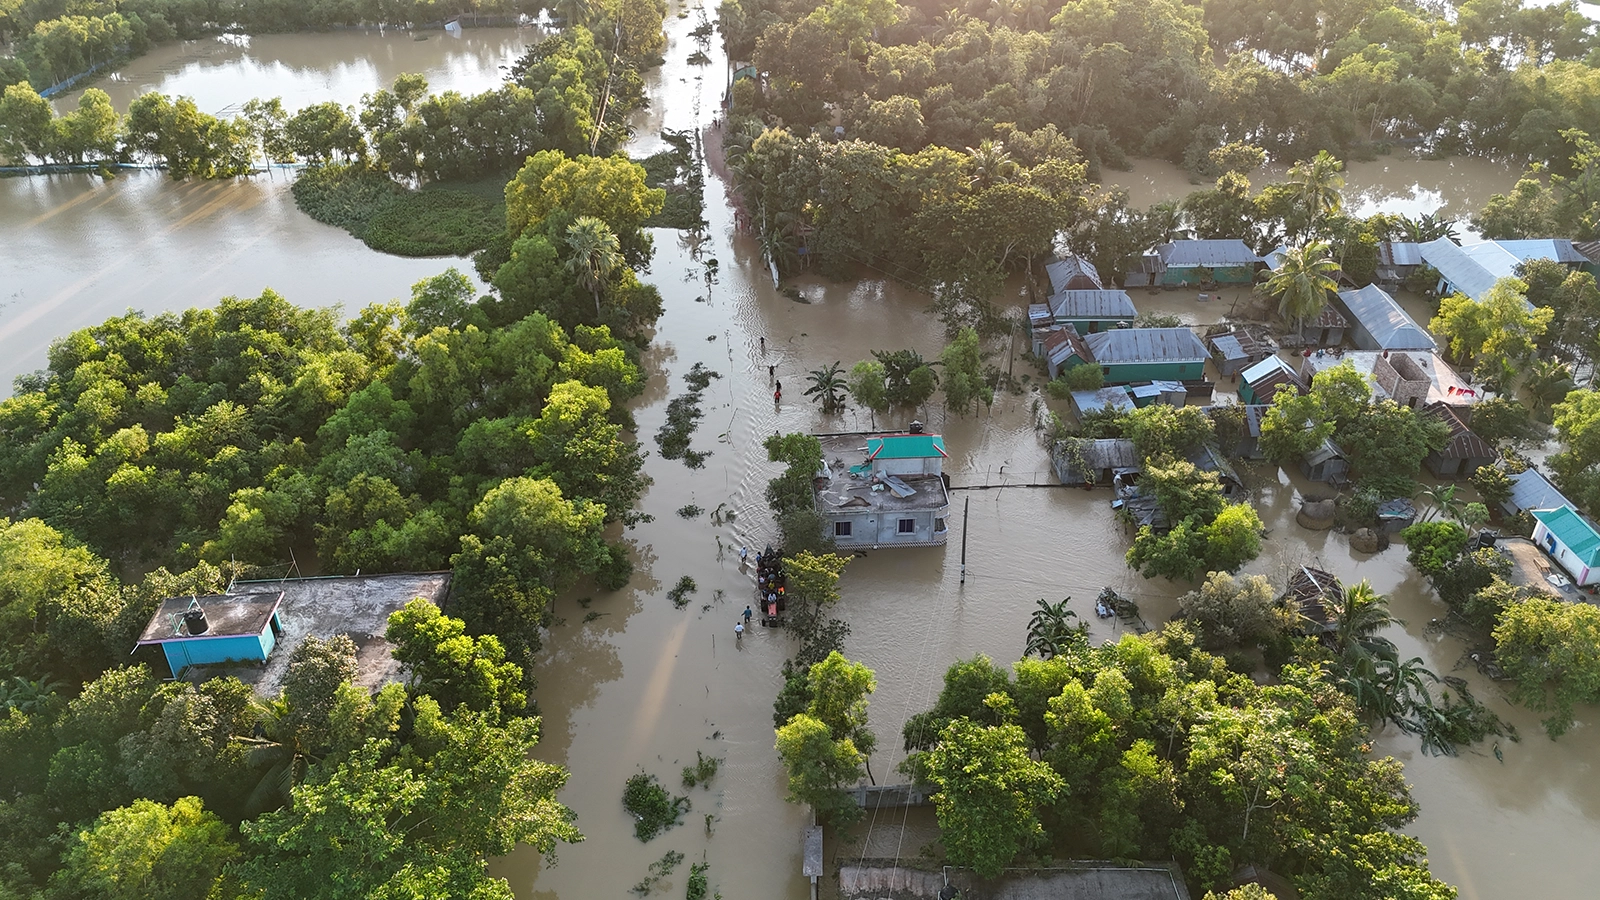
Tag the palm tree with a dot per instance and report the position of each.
(991, 164)
(1548, 383)
(596, 254)
(1444, 501)
(1303, 283)
(1050, 633)
(1319, 181)
(827, 387)
(1430, 227)
(950, 22)
(574, 12)
(1361, 613)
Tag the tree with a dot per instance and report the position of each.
(445, 663)
(596, 255)
(25, 124)
(868, 386)
(1318, 183)
(1304, 282)
(1293, 426)
(1498, 332)
(964, 382)
(988, 793)
(89, 130)
(1233, 538)
(820, 768)
(827, 387)
(147, 851)
(551, 191)
(908, 380)
(1552, 650)
(1433, 545)
(1345, 394)
(1050, 632)
(1233, 611)
(1390, 441)
(1160, 431)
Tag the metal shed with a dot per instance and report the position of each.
(1378, 323)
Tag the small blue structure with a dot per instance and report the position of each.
(221, 628)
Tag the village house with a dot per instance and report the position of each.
(1093, 460)
(1060, 348)
(1397, 260)
(1465, 453)
(884, 490)
(1262, 381)
(1072, 273)
(1571, 541)
(1326, 328)
(1410, 378)
(1249, 445)
(1115, 398)
(1235, 351)
(1087, 311)
(1378, 323)
(253, 629)
(1530, 490)
(1172, 393)
(1472, 269)
(1326, 463)
(1147, 354)
(1186, 263)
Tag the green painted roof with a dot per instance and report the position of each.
(906, 446)
(1571, 529)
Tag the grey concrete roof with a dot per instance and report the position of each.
(1385, 320)
(358, 607)
(1131, 345)
(1068, 305)
(1063, 271)
(227, 615)
(1212, 254)
(844, 493)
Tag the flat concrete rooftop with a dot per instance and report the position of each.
(358, 607)
(844, 492)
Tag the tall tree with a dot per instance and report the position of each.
(1304, 282)
(596, 255)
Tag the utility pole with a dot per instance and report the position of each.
(966, 510)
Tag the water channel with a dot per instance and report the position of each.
(644, 685)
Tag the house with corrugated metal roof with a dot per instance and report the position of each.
(1571, 540)
(1072, 273)
(1262, 381)
(1147, 354)
(1237, 350)
(1326, 328)
(1465, 453)
(1378, 323)
(1061, 348)
(1115, 398)
(1325, 463)
(1093, 460)
(1472, 269)
(1228, 261)
(1531, 490)
(1086, 310)
(1396, 261)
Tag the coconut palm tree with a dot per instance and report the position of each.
(827, 387)
(596, 254)
(1361, 613)
(574, 12)
(1304, 282)
(1548, 383)
(950, 22)
(991, 164)
(1050, 631)
(1319, 181)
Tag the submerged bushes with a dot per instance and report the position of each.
(391, 219)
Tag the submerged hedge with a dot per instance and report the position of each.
(436, 221)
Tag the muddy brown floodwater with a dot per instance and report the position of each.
(645, 686)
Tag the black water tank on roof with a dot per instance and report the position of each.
(194, 621)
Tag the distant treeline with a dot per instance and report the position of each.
(1177, 80)
(57, 39)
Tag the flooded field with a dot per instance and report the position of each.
(644, 685)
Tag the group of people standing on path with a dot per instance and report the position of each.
(768, 574)
(772, 376)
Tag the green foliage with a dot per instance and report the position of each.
(1293, 426)
(1049, 632)
(908, 379)
(964, 382)
(1083, 378)
(432, 223)
(801, 455)
(653, 809)
(659, 870)
(455, 669)
(679, 593)
(1551, 649)
(696, 887)
(1431, 546)
(147, 850)
(1235, 611)
(1160, 431)
(820, 769)
(704, 769)
(683, 415)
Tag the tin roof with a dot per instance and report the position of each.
(906, 446)
(1385, 320)
(1106, 453)
(1464, 443)
(1228, 346)
(1531, 490)
(1105, 304)
(1589, 249)
(1574, 531)
(1559, 249)
(1105, 398)
(227, 615)
(1473, 269)
(1132, 345)
(1070, 272)
(1271, 375)
(1213, 254)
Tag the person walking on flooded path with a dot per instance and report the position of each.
(772, 372)
(777, 396)
(763, 344)
(747, 615)
(738, 631)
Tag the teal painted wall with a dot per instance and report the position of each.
(1226, 275)
(1247, 394)
(1126, 372)
(1090, 326)
(205, 651)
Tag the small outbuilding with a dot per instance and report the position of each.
(1571, 541)
(1172, 393)
(1093, 460)
(1147, 354)
(1315, 594)
(1464, 454)
(1394, 516)
(1262, 381)
(215, 629)
(1072, 273)
(1378, 323)
(1326, 463)
(1114, 398)
(1235, 351)
(1531, 490)
(1325, 329)
(1061, 348)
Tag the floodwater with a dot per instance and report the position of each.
(643, 686)
(222, 72)
(1455, 188)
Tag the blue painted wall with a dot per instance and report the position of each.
(206, 651)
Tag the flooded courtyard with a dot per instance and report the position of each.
(643, 685)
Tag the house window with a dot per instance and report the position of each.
(841, 529)
(1106, 371)
(908, 526)
(938, 526)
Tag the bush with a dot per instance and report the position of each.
(1084, 378)
(433, 223)
(649, 803)
(346, 197)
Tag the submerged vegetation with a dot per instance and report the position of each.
(683, 416)
(652, 807)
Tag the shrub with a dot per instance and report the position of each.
(649, 803)
(433, 223)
